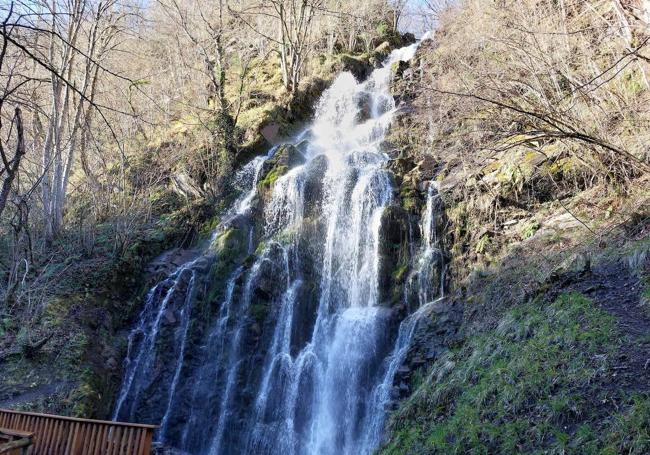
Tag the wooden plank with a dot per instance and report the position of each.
(69, 447)
(58, 435)
(99, 445)
(12, 446)
(146, 447)
(16, 433)
(48, 441)
(76, 438)
(38, 431)
(124, 440)
(44, 437)
(90, 440)
(136, 440)
(115, 441)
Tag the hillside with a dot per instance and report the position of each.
(545, 189)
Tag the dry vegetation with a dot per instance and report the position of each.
(526, 105)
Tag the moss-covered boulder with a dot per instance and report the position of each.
(286, 157)
(359, 66)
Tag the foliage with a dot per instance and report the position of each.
(528, 386)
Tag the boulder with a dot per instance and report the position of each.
(359, 67)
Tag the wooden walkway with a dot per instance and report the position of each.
(58, 435)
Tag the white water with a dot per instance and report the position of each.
(320, 391)
(142, 340)
(325, 395)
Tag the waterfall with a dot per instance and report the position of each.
(298, 353)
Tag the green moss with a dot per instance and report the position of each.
(273, 175)
(208, 227)
(228, 243)
(524, 387)
(530, 229)
(230, 250)
(409, 195)
(400, 273)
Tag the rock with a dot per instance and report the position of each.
(111, 363)
(379, 54)
(187, 187)
(408, 38)
(270, 132)
(393, 251)
(286, 157)
(313, 185)
(404, 370)
(170, 318)
(359, 67)
(399, 68)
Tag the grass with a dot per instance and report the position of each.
(528, 386)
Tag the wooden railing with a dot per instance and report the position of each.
(58, 435)
(14, 442)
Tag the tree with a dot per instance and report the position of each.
(293, 20)
(9, 166)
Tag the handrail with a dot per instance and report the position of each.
(78, 419)
(62, 435)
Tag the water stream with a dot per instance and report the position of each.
(298, 354)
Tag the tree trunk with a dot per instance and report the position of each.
(12, 169)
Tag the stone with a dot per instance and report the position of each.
(404, 370)
(170, 318)
(111, 363)
(359, 67)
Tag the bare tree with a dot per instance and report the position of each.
(9, 165)
(293, 20)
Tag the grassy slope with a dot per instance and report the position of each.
(535, 384)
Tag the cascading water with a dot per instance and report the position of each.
(296, 353)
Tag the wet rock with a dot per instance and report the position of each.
(170, 318)
(286, 157)
(436, 331)
(313, 185)
(394, 253)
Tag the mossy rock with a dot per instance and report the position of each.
(285, 158)
(258, 312)
(393, 252)
(359, 66)
(230, 250)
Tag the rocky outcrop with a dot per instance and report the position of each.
(436, 331)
